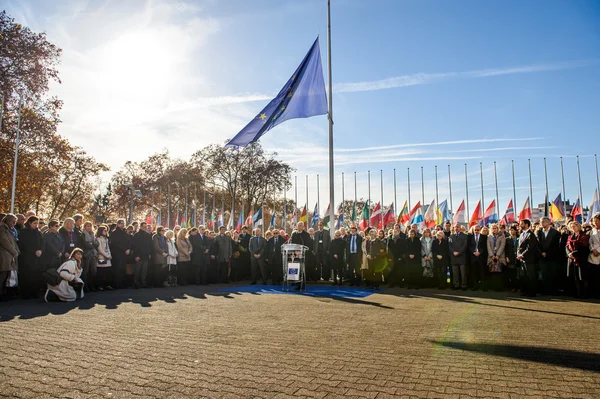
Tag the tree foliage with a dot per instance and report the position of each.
(53, 176)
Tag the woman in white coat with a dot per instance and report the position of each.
(171, 259)
(70, 272)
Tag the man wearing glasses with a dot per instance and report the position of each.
(120, 243)
(274, 256)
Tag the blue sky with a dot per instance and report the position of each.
(493, 81)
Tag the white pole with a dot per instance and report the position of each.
(17, 141)
(330, 118)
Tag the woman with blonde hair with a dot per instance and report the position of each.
(578, 250)
(70, 273)
(427, 256)
(104, 265)
(171, 259)
(184, 256)
(496, 261)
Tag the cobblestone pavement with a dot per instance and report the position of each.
(189, 342)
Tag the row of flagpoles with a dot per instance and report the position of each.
(422, 214)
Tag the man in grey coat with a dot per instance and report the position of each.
(457, 243)
(257, 248)
(224, 256)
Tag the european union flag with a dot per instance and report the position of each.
(302, 96)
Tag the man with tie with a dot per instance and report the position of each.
(548, 238)
(224, 255)
(458, 243)
(477, 258)
(396, 246)
(354, 256)
(258, 246)
(244, 260)
(527, 254)
(322, 241)
(274, 256)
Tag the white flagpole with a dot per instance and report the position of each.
(497, 207)
(467, 192)
(422, 193)
(318, 196)
(481, 179)
(408, 185)
(530, 191)
(514, 189)
(597, 180)
(342, 198)
(450, 189)
(547, 198)
(580, 192)
(395, 194)
(330, 119)
(562, 172)
(17, 142)
(437, 198)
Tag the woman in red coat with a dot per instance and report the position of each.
(578, 250)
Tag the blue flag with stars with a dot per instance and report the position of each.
(302, 96)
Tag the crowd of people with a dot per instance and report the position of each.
(62, 261)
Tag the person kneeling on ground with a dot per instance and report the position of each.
(70, 272)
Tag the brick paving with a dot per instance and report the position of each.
(196, 343)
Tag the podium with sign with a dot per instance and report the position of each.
(294, 271)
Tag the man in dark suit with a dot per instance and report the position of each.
(549, 246)
(244, 260)
(396, 246)
(477, 258)
(322, 241)
(457, 244)
(301, 237)
(258, 246)
(354, 256)
(527, 253)
(274, 256)
(120, 243)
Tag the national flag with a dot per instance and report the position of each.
(211, 220)
(303, 216)
(340, 220)
(149, 219)
(295, 216)
(364, 223)
(249, 218)
(273, 220)
(443, 213)
(413, 212)
(183, 222)
(230, 222)
(220, 220)
(240, 222)
(404, 216)
(257, 219)
(302, 96)
(594, 207)
(326, 218)
(477, 217)
(376, 217)
(158, 219)
(417, 218)
(509, 215)
(430, 216)
(491, 216)
(461, 214)
(390, 216)
(577, 211)
(557, 209)
(315, 217)
(526, 212)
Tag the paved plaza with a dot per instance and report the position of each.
(199, 342)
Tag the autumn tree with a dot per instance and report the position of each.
(53, 176)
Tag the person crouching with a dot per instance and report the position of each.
(70, 272)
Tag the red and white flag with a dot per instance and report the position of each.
(376, 217)
(430, 216)
(477, 217)
(461, 214)
(526, 212)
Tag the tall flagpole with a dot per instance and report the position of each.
(422, 193)
(381, 183)
(467, 191)
(17, 142)
(306, 201)
(213, 209)
(450, 188)
(546, 177)
(318, 195)
(204, 207)
(284, 221)
(330, 118)
(195, 206)
(342, 196)
(408, 185)
(597, 180)
(437, 197)
(514, 187)
(187, 220)
(530, 190)
(497, 207)
(395, 193)
(481, 179)
(562, 173)
(580, 192)
(168, 206)
(223, 208)
(296, 198)
(369, 184)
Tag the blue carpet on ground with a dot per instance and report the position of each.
(311, 290)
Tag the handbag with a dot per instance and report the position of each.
(495, 266)
(102, 261)
(52, 277)
(12, 280)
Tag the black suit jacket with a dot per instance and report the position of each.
(528, 248)
(480, 246)
(274, 250)
(359, 241)
(550, 245)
